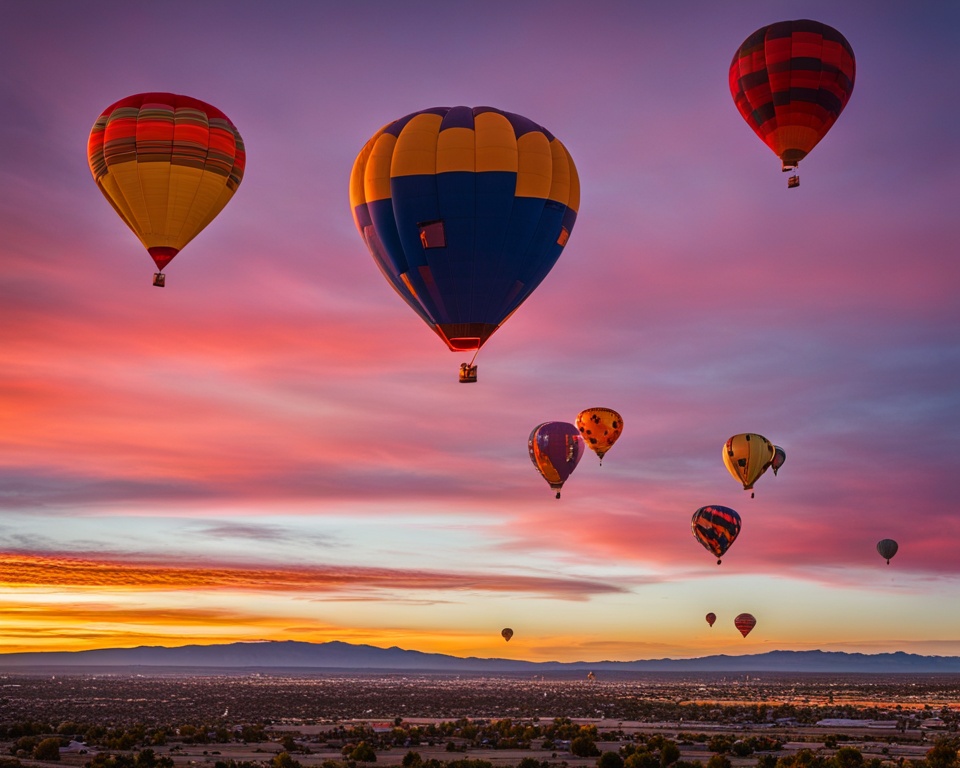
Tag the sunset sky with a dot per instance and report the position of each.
(275, 447)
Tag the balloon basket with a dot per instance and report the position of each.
(468, 373)
(793, 181)
(159, 279)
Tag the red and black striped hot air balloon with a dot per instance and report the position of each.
(790, 82)
(716, 528)
(745, 622)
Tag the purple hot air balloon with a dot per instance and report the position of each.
(555, 450)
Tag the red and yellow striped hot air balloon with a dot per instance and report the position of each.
(790, 82)
(168, 164)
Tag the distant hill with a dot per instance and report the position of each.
(367, 658)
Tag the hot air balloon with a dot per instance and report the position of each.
(168, 164)
(887, 549)
(465, 211)
(555, 450)
(790, 82)
(600, 428)
(506, 633)
(711, 617)
(745, 622)
(779, 456)
(747, 456)
(716, 528)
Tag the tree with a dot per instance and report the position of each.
(943, 754)
(718, 761)
(284, 760)
(364, 753)
(610, 760)
(411, 759)
(48, 749)
(642, 759)
(584, 746)
(847, 757)
(669, 753)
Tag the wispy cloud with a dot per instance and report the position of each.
(75, 572)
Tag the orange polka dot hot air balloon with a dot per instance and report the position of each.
(600, 427)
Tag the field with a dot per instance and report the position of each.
(884, 716)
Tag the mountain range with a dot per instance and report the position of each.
(340, 656)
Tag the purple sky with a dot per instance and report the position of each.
(275, 446)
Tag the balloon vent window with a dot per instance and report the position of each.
(432, 234)
(564, 236)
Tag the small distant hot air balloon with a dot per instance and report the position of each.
(600, 428)
(745, 622)
(887, 549)
(747, 456)
(465, 210)
(555, 449)
(779, 456)
(716, 528)
(506, 633)
(790, 82)
(168, 164)
(591, 676)
(711, 617)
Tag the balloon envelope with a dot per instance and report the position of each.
(711, 617)
(465, 211)
(779, 456)
(600, 428)
(716, 528)
(168, 164)
(887, 549)
(506, 633)
(555, 449)
(747, 456)
(745, 622)
(790, 81)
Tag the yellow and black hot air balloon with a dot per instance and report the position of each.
(747, 456)
(600, 428)
(465, 210)
(168, 164)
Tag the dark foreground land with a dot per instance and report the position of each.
(123, 719)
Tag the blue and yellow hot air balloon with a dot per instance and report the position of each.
(465, 211)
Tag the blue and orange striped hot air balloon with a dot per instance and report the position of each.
(716, 528)
(790, 82)
(168, 164)
(465, 211)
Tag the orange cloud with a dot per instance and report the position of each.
(60, 571)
